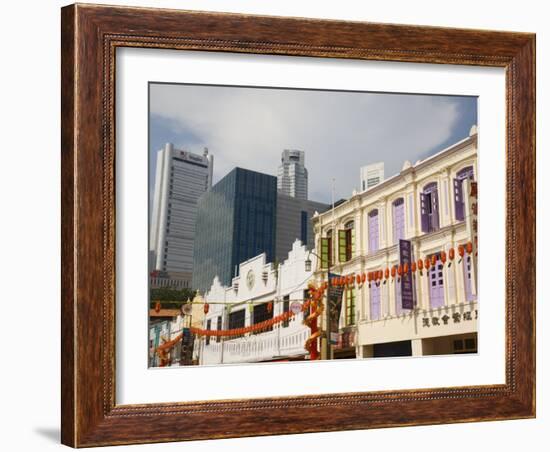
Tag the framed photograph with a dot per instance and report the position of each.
(282, 225)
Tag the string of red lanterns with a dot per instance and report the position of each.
(397, 271)
(248, 329)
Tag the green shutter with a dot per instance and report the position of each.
(324, 253)
(350, 306)
(342, 245)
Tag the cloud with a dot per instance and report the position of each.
(339, 131)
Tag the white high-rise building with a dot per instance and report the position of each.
(292, 174)
(371, 175)
(181, 178)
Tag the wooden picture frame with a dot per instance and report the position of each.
(90, 36)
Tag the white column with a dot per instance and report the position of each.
(382, 226)
(416, 345)
(357, 224)
(449, 276)
(445, 190)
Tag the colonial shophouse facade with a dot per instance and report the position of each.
(260, 292)
(426, 204)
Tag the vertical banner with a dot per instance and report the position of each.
(334, 302)
(470, 195)
(405, 259)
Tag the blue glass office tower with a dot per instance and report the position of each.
(236, 220)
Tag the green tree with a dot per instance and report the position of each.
(165, 294)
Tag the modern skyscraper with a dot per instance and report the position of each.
(181, 178)
(371, 175)
(292, 174)
(294, 222)
(236, 220)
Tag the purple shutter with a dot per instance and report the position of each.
(398, 220)
(437, 287)
(459, 200)
(374, 301)
(468, 278)
(425, 221)
(373, 231)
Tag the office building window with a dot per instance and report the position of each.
(303, 229)
(429, 208)
(398, 220)
(463, 174)
(374, 231)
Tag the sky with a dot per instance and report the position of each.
(340, 131)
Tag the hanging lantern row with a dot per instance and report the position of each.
(249, 329)
(397, 271)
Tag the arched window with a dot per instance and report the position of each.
(346, 242)
(429, 208)
(461, 176)
(374, 231)
(398, 220)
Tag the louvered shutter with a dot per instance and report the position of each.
(459, 200)
(424, 218)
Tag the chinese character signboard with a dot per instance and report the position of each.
(407, 289)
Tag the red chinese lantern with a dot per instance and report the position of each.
(413, 267)
(358, 279)
(427, 263)
(349, 280)
(157, 306)
(400, 270)
(387, 273)
(420, 264)
(443, 257)
(406, 267)
(363, 278)
(206, 308)
(461, 250)
(369, 276)
(434, 259)
(469, 247)
(270, 307)
(393, 271)
(451, 253)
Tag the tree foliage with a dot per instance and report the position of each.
(165, 294)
